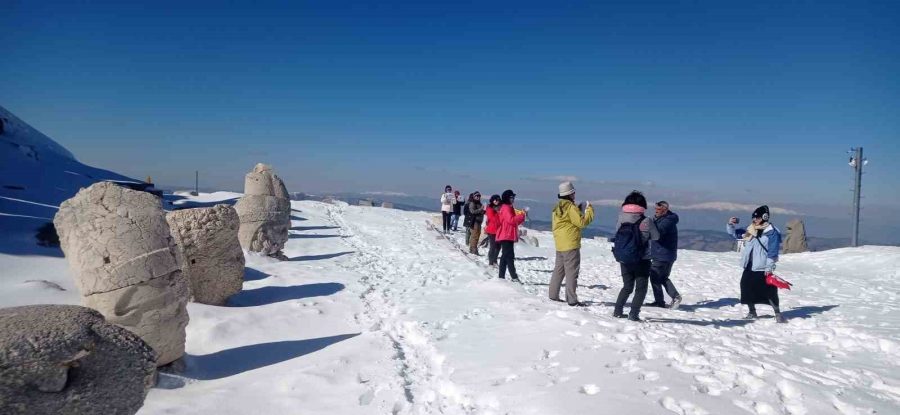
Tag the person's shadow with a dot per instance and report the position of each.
(711, 304)
(806, 311)
(230, 362)
(269, 295)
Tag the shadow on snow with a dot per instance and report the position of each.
(322, 256)
(230, 362)
(806, 311)
(720, 303)
(313, 228)
(300, 236)
(270, 295)
(251, 274)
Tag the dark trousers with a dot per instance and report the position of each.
(446, 216)
(568, 265)
(508, 259)
(659, 280)
(493, 249)
(634, 278)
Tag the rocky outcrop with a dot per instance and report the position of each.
(61, 359)
(795, 241)
(126, 264)
(213, 259)
(264, 212)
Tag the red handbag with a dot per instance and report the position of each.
(777, 281)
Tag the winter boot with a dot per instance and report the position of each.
(618, 314)
(779, 318)
(751, 316)
(634, 318)
(676, 302)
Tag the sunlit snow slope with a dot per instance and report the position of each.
(377, 314)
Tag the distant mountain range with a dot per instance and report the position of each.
(699, 229)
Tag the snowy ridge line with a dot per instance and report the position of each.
(425, 381)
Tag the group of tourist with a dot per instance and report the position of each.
(501, 225)
(645, 247)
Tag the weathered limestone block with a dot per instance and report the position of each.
(126, 264)
(265, 221)
(263, 181)
(264, 212)
(213, 259)
(62, 359)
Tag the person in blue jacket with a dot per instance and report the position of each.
(762, 242)
(663, 253)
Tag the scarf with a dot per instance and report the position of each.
(754, 230)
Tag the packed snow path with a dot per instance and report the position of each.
(377, 314)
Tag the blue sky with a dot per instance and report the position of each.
(711, 101)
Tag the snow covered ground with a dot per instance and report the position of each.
(377, 314)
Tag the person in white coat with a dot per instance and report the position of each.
(448, 199)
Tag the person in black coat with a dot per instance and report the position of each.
(663, 253)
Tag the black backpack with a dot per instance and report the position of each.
(629, 247)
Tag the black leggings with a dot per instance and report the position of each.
(446, 216)
(493, 249)
(508, 259)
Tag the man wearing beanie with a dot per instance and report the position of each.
(567, 224)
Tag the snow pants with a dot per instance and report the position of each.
(446, 217)
(659, 280)
(473, 238)
(493, 249)
(508, 259)
(568, 265)
(634, 277)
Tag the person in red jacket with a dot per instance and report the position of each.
(493, 225)
(508, 234)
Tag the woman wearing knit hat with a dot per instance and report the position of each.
(508, 234)
(491, 227)
(632, 250)
(762, 242)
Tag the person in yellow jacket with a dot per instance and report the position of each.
(568, 221)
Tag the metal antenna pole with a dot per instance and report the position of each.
(197, 181)
(857, 189)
